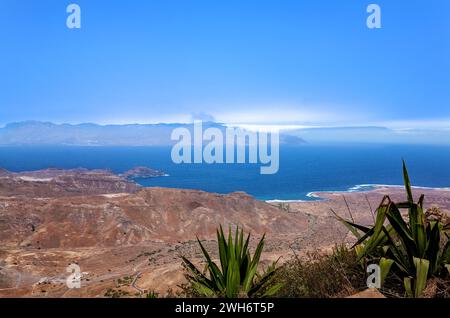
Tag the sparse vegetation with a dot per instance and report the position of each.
(124, 281)
(151, 294)
(116, 293)
(238, 273)
(322, 275)
(284, 206)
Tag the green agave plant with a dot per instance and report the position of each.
(418, 248)
(237, 275)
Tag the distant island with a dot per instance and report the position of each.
(142, 172)
(72, 182)
(37, 133)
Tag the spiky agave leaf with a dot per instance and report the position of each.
(372, 242)
(198, 277)
(393, 251)
(203, 289)
(422, 267)
(416, 215)
(253, 266)
(351, 226)
(214, 271)
(413, 245)
(233, 278)
(402, 231)
(223, 249)
(415, 286)
(407, 183)
(265, 280)
(408, 283)
(420, 234)
(238, 270)
(385, 267)
(432, 250)
(445, 256)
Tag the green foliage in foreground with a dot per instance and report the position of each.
(418, 249)
(238, 273)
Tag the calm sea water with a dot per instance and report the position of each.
(302, 169)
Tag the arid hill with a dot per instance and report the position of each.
(61, 183)
(127, 239)
(153, 214)
(51, 218)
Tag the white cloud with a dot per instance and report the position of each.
(429, 124)
(202, 116)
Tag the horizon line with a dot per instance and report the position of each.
(247, 126)
(433, 125)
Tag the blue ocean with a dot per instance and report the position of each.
(303, 169)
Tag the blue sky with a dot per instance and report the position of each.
(239, 61)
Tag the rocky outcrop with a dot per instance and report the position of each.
(142, 172)
(62, 183)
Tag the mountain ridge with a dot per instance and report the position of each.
(45, 133)
(89, 134)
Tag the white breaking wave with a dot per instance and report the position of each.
(286, 201)
(368, 187)
(357, 188)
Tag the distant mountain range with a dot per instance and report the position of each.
(47, 133)
(372, 135)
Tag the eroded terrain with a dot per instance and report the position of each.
(128, 240)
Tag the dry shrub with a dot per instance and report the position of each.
(319, 275)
